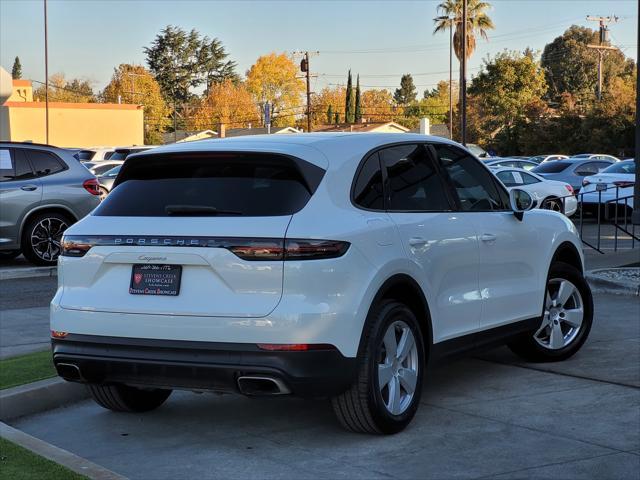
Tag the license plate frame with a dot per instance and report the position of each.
(601, 187)
(155, 279)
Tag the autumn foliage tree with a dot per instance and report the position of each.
(229, 103)
(63, 90)
(134, 84)
(274, 79)
(377, 106)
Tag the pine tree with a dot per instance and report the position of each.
(16, 71)
(407, 91)
(358, 112)
(336, 119)
(329, 115)
(348, 110)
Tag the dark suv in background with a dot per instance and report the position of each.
(43, 190)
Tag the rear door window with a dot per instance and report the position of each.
(212, 184)
(45, 163)
(14, 165)
(413, 181)
(587, 169)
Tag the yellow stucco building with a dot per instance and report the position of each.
(70, 124)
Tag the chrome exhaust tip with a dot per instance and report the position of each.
(261, 385)
(69, 372)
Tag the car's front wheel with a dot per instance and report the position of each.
(385, 395)
(123, 398)
(566, 318)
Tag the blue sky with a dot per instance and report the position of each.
(378, 39)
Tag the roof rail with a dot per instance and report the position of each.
(29, 143)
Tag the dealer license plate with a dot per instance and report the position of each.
(149, 279)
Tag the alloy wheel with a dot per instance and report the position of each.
(398, 365)
(563, 315)
(553, 205)
(46, 237)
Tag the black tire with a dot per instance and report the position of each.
(9, 254)
(35, 229)
(362, 407)
(531, 349)
(123, 398)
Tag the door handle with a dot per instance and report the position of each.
(417, 241)
(488, 237)
(29, 188)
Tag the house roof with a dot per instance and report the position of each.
(241, 132)
(361, 127)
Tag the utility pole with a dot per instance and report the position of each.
(635, 218)
(306, 69)
(463, 76)
(603, 44)
(46, 76)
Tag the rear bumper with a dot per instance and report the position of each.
(198, 365)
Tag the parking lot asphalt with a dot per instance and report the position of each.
(488, 416)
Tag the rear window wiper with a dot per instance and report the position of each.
(196, 210)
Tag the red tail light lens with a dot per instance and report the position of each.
(248, 249)
(294, 347)
(56, 334)
(294, 249)
(624, 184)
(92, 186)
(569, 188)
(75, 246)
(585, 182)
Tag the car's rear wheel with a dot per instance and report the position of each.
(552, 203)
(42, 236)
(103, 193)
(566, 318)
(123, 398)
(385, 395)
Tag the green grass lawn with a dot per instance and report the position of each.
(18, 463)
(28, 368)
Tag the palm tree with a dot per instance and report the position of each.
(478, 23)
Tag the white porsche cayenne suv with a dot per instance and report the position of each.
(317, 265)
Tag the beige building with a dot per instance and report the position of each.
(70, 124)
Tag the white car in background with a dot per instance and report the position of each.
(549, 194)
(616, 181)
(100, 168)
(547, 158)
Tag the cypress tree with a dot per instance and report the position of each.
(348, 110)
(16, 71)
(329, 115)
(358, 112)
(336, 119)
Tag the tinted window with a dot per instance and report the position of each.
(119, 155)
(413, 182)
(474, 185)
(587, 169)
(528, 179)
(108, 155)
(44, 163)
(85, 155)
(100, 169)
(14, 166)
(368, 191)
(621, 167)
(212, 184)
(112, 172)
(507, 178)
(551, 167)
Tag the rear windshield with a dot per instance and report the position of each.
(551, 167)
(212, 184)
(621, 167)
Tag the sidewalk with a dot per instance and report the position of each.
(24, 330)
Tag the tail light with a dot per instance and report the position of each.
(570, 188)
(624, 183)
(585, 182)
(252, 249)
(92, 186)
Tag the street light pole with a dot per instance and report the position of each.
(46, 76)
(636, 188)
(451, 81)
(463, 76)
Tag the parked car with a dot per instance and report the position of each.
(614, 182)
(510, 162)
(548, 194)
(100, 168)
(282, 266)
(101, 153)
(595, 156)
(571, 171)
(43, 190)
(121, 153)
(547, 158)
(105, 181)
(478, 151)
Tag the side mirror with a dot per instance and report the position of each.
(521, 202)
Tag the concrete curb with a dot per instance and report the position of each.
(39, 397)
(27, 272)
(601, 284)
(57, 455)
